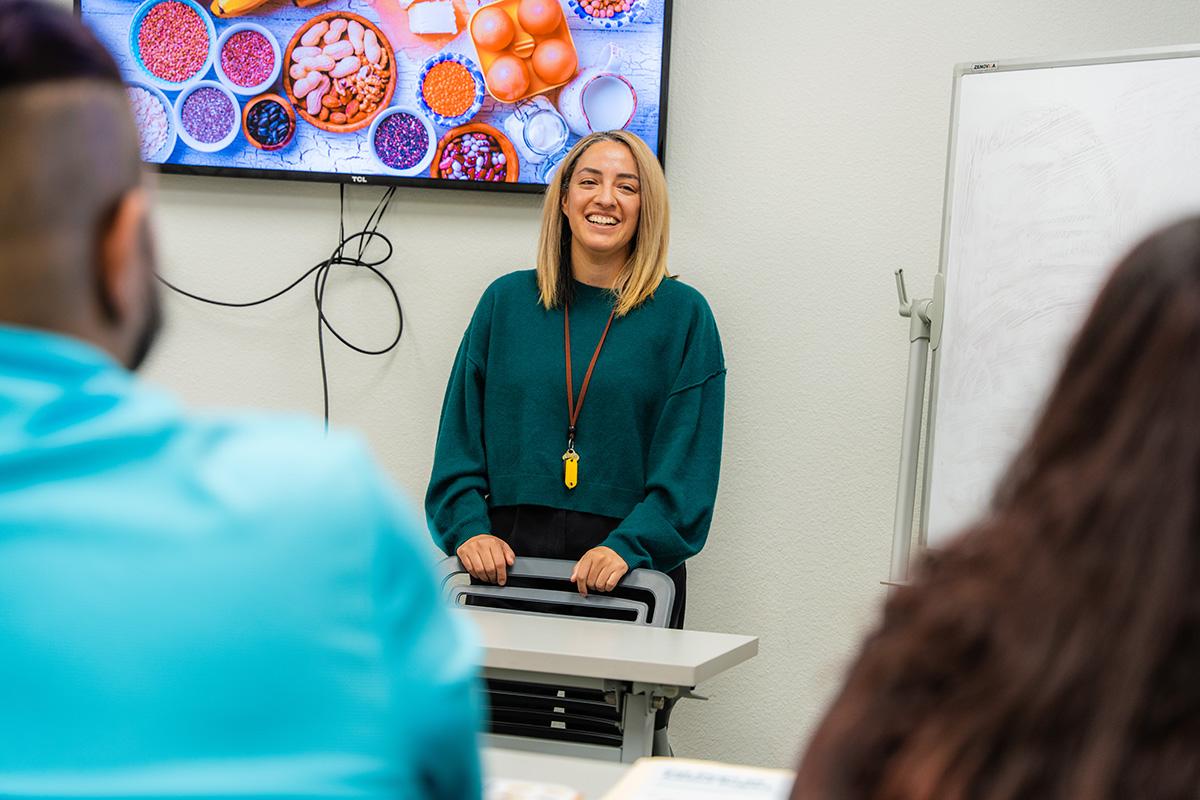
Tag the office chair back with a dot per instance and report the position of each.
(543, 586)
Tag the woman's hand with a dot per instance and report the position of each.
(599, 570)
(486, 557)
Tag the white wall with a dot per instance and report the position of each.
(806, 151)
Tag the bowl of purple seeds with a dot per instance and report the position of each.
(403, 141)
(207, 116)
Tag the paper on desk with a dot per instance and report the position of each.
(686, 779)
(504, 789)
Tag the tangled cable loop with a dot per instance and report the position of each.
(340, 257)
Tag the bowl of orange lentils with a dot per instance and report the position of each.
(450, 89)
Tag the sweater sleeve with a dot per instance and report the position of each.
(455, 504)
(671, 522)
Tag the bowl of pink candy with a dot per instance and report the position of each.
(248, 60)
(173, 41)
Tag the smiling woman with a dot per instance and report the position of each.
(602, 204)
(522, 467)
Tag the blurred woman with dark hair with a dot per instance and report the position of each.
(1054, 650)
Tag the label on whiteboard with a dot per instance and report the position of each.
(982, 67)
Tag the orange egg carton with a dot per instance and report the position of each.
(523, 45)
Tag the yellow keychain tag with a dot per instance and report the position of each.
(571, 468)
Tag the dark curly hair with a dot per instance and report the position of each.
(1053, 651)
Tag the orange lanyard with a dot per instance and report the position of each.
(571, 458)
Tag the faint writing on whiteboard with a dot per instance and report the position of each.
(1055, 173)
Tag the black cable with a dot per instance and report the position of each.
(363, 238)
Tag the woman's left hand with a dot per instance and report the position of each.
(599, 570)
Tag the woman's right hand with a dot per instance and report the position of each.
(486, 557)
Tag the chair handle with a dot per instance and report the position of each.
(567, 599)
(653, 581)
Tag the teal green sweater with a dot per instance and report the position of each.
(649, 435)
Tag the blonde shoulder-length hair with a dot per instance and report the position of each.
(647, 264)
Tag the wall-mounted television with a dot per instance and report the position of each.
(473, 94)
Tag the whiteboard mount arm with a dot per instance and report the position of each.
(921, 315)
(920, 311)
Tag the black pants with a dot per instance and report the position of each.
(543, 532)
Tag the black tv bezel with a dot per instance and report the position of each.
(422, 183)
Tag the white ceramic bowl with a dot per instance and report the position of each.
(172, 136)
(422, 165)
(136, 51)
(235, 124)
(248, 91)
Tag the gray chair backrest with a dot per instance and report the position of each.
(455, 584)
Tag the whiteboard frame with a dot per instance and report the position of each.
(960, 71)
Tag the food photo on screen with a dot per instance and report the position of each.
(455, 93)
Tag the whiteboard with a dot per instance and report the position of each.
(1055, 170)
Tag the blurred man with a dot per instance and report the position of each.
(194, 605)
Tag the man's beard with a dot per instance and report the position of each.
(144, 340)
(149, 332)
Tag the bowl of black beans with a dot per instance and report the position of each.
(269, 122)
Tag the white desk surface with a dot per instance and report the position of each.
(596, 649)
(589, 777)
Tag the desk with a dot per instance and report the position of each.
(636, 666)
(589, 777)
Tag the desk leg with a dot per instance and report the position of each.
(638, 740)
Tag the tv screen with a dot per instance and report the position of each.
(482, 94)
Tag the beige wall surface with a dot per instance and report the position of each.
(806, 155)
